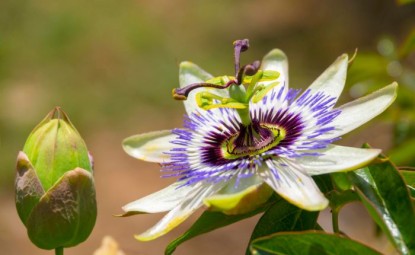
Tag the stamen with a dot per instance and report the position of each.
(261, 91)
(206, 101)
(182, 93)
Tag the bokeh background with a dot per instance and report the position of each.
(111, 65)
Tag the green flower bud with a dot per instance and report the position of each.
(55, 193)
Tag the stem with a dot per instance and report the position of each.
(245, 118)
(335, 220)
(59, 251)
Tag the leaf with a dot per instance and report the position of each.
(386, 197)
(340, 198)
(337, 188)
(283, 216)
(324, 182)
(309, 243)
(209, 221)
(341, 181)
(409, 177)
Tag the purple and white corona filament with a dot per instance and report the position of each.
(216, 146)
(249, 131)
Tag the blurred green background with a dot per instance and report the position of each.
(111, 65)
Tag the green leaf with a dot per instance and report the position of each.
(324, 182)
(308, 243)
(209, 221)
(386, 197)
(341, 181)
(340, 198)
(283, 216)
(409, 177)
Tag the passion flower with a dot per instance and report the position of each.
(250, 132)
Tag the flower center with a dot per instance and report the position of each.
(252, 140)
(250, 84)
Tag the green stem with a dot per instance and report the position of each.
(244, 114)
(59, 251)
(335, 220)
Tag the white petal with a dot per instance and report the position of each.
(293, 185)
(236, 185)
(150, 146)
(182, 211)
(241, 196)
(276, 60)
(190, 73)
(361, 110)
(332, 80)
(160, 201)
(337, 158)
